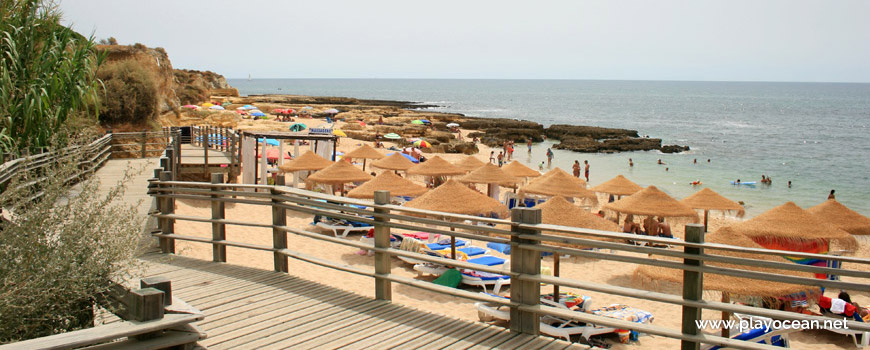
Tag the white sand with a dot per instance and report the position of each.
(593, 271)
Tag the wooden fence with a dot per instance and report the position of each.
(140, 144)
(527, 242)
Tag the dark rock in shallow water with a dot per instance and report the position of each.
(674, 149)
(561, 131)
(624, 144)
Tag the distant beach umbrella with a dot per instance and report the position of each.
(362, 123)
(470, 163)
(841, 216)
(277, 111)
(452, 125)
(436, 166)
(270, 142)
(225, 103)
(258, 114)
(273, 154)
(517, 169)
(190, 106)
(339, 133)
(207, 104)
(387, 181)
(619, 186)
(395, 161)
(331, 111)
(307, 161)
(707, 199)
(557, 182)
(651, 201)
(489, 174)
(454, 197)
(215, 107)
(249, 107)
(365, 152)
(418, 122)
(307, 107)
(393, 136)
(241, 108)
(422, 144)
(788, 227)
(296, 127)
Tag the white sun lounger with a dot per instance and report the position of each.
(552, 326)
(342, 230)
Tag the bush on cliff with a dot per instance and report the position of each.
(129, 93)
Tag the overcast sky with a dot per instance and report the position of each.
(787, 40)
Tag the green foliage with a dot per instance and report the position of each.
(62, 251)
(46, 76)
(129, 93)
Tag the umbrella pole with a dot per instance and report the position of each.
(706, 213)
(556, 274)
(726, 333)
(364, 164)
(452, 243)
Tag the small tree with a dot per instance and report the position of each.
(129, 92)
(60, 252)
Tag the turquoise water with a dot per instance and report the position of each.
(814, 134)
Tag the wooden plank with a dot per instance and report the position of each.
(451, 327)
(347, 326)
(208, 293)
(371, 331)
(404, 331)
(561, 344)
(496, 341)
(462, 333)
(266, 300)
(477, 338)
(258, 338)
(520, 341)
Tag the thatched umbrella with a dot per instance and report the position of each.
(558, 211)
(364, 152)
(387, 181)
(491, 175)
(752, 291)
(395, 161)
(339, 173)
(708, 199)
(517, 169)
(557, 182)
(619, 186)
(436, 166)
(651, 201)
(841, 216)
(307, 161)
(788, 227)
(470, 163)
(454, 197)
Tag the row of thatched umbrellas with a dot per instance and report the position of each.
(784, 227)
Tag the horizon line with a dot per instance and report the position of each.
(578, 79)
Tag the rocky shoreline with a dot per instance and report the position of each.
(490, 131)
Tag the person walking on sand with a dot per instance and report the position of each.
(500, 159)
(549, 157)
(576, 168)
(586, 172)
(529, 143)
(831, 196)
(492, 157)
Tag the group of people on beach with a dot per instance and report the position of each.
(651, 227)
(576, 168)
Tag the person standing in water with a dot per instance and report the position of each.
(576, 168)
(831, 196)
(549, 157)
(529, 143)
(630, 163)
(587, 169)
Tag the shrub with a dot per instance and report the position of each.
(61, 252)
(129, 93)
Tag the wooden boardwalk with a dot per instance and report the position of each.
(193, 155)
(258, 309)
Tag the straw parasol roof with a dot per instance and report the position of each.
(788, 222)
(454, 197)
(387, 181)
(338, 173)
(307, 161)
(489, 174)
(395, 161)
(557, 211)
(436, 166)
(517, 169)
(470, 163)
(618, 185)
(557, 182)
(365, 152)
(741, 287)
(653, 202)
(708, 199)
(841, 216)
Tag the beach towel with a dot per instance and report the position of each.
(487, 260)
(624, 312)
(450, 278)
(411, 245)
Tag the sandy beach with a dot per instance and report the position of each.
(591, 270)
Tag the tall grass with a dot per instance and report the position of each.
(47, 76)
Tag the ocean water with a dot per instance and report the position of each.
(813, 134)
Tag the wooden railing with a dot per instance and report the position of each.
(527, 243)
(140, 144)
(151, 319)
(89, 158)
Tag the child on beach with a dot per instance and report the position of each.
(541, 166)
(492, 157)
(500, 159)
(549, 157)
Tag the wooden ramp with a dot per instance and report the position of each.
(258, 309)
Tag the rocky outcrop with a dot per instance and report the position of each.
(563, 131)
(153, 60)
(195, 86)
(674, 149)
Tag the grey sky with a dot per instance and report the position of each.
(786, 40)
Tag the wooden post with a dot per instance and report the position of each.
(218, 230)
(726, 332)
(164, 164)
(167, 226)
(160, 283)
(151, 187)
(383, 265)
(556, 274)
(170, 155)
(693, 286)
(526, 262)
(279, 237)
(205, 140)
(706, 216)
(146, 304)
(144, 144)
